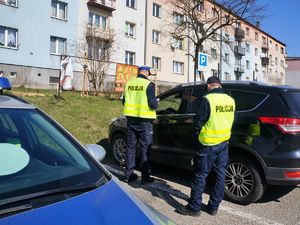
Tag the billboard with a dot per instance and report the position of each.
(124, 73)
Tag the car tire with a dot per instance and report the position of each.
(119, 148)
(244, 182)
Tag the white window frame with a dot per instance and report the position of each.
(6, 37)
(213, 53)
(156, 36)
(178, 67)
(13, 3)
(156, 63)
(247, 64)
(129, 58)
(131, 4)
(57, 40)
(156, 10)
(256, 52)
(130, 29)
(177, 43)
(102, 21)
(177, 18)
(58, 4)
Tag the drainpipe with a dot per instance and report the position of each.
(146, 23)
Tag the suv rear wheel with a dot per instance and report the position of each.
(244, 183)
(119, 148)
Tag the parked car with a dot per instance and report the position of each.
(48, 177)
(264, 148)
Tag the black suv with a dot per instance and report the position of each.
(265, 143)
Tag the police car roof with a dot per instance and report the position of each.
(10, 101)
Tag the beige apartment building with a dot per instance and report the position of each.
(252, 54)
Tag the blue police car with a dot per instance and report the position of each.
(48, 177)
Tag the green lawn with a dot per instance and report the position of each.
(87, 118)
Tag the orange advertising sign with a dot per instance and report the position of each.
(124, 73)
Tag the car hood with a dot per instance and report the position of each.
(110, 204)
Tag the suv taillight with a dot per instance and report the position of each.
(285, 125)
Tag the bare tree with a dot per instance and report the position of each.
(94, 50)
(201, 20)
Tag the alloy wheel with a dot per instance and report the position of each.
(120, 150)
(239, 180)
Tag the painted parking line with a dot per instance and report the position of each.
(229, 210)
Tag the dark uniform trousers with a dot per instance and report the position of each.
(138, 132)
(209, 158)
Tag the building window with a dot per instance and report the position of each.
(247, 65)
(227, 76)
(59, 9)
(156, 63)
(98, 21)
(156, 10)
(276, 47)
(256, 67)
(256, 51)
(129, 58)
(226, 57)
(58, 45)
(247, 47)
(200, 6)
(177, 67)
(214, 13)
(177, 18)
(256, 36)
(177, 43)
(8, 37)
(282, 50)
(276, 60)
(155, 37)
(271, 44)
(13, 74)
(129, 29)
(97, 49)
(9, 2)
(264, 40)
(131, 4)
(214, 72)
(247, 31)
(281, 63)
(213, 53)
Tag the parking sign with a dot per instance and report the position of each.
(202, 61)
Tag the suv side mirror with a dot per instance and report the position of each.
(96, 151)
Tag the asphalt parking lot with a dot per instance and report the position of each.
(280, 204)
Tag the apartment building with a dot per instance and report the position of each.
(33, 35)
(293, 71)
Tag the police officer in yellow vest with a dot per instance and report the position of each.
(213, 122)
(139, 108)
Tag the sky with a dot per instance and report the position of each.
(282, 21)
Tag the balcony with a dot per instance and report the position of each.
(108, 5)
(238, 50)
(239, 34)
(239, 68)
(265, 61)
(98, 33)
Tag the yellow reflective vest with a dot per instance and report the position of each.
(218, 127)
(136, 101)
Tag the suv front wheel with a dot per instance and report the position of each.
(244, 183)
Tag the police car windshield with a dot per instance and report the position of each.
(36, 156)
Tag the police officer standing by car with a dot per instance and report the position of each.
(139, 108)
(213, 122)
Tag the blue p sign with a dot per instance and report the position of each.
(202, 58)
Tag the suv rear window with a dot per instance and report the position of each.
(245, 100)
(293, 100)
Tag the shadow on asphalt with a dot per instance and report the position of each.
(273, 193)
(165, 173)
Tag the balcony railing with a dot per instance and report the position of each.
(265, 61)
(239, 33)
(239, 68)
(98, 32)
(264, 47)
(238, 50)
(109, 5)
